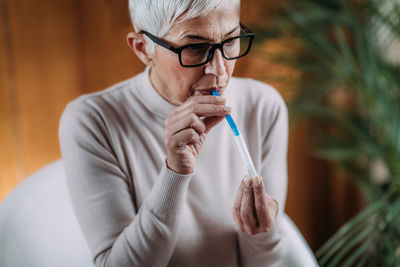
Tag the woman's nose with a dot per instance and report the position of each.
(217, 65)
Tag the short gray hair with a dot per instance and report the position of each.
(158, 16)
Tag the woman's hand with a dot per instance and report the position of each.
(186, 128)
(254, 211)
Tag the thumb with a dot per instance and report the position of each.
(210, 122)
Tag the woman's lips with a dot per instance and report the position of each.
(208, 91)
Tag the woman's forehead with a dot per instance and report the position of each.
(209, 34)
(217, 24)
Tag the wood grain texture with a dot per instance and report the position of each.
(106, 55)
(50, 53)
(45, 63)
(10, 152)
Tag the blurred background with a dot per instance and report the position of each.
(53, 51)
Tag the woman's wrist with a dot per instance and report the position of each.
(178, 169)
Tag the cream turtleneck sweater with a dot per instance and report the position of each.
(134, 211)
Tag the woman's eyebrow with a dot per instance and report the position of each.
(202, 38)
(229, 33)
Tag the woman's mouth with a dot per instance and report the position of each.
(208, 91)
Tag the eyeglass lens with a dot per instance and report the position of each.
(198, 53)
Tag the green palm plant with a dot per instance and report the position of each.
(343, 48)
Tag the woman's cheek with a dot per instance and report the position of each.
(187, 79)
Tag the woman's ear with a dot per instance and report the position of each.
(137, 43)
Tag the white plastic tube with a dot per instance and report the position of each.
(245, 155)
(240, 143)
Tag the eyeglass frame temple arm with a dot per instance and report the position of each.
(245, 28)
(159, 41)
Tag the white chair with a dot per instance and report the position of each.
(38, 227)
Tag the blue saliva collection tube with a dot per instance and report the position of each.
(240, 143)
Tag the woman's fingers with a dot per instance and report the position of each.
(203, 106)
(186, 128)
(188, 114)
(211, 122)
(254, 211)
(191, 120)
(236, 207)
(247, 212)
(202, 99)
(182, 138)
(209, 110)
(263, 206)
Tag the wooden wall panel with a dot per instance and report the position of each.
(45, 71)
(56, 52)
(8, 131)
(107, 57)
(309, 181)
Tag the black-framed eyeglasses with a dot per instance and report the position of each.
(194, 55)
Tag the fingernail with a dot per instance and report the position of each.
(221, 99)
(227, 108)
(257, 181)
(248, 181)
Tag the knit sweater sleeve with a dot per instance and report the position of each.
(266, 249)
(103, 200)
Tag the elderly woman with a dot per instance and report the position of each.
(154, 173)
